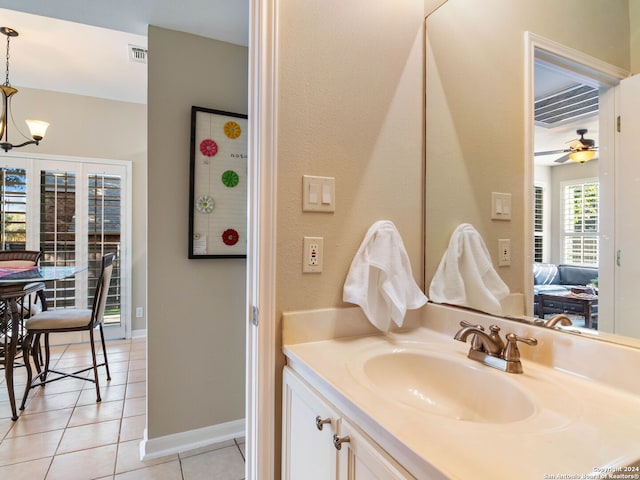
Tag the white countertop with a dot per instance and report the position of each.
(578, 425)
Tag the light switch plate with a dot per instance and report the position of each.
(318, 194)
(500, 206)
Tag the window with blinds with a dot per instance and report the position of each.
(58, 232)
(74, 210)
(538, 224)
(13, 208)
(104, 236)
(580, 222)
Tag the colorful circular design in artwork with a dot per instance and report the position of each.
(232, 130)
(230, 178)
(205, 204)
(230, 237)
(208, 147)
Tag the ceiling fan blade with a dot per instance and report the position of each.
(549, 152)
(562, 159)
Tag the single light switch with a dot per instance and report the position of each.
(313, 193)
(506, 206)
(326, 194)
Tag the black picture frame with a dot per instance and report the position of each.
(218, 184)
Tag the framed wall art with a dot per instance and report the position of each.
(218, 184)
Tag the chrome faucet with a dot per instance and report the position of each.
(491, 349)
(558, 319)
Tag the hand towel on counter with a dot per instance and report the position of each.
(466, 276)
(380, 280)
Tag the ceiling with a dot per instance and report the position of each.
(549, 81)
(81, 46)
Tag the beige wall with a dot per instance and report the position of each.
(92, 127)
(196, 326)
(350, 106)
(475, 107)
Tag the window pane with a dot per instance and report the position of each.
(57, 232)
(104, 209)
(581, 223)
(13, 208)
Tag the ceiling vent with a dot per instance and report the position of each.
(138, 54)
(570, 104)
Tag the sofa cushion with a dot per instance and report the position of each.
(573, 275)
(545, 274)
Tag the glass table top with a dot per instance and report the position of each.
(11, 275)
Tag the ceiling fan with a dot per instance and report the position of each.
(580, 150)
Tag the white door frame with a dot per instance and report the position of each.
(590, 70)
(261, 247)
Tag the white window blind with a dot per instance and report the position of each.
(580, 222)
(104, 236)
(58, 232)
(538, 224)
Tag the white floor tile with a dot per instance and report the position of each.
(84, 464)
(129, 458)
(164, 471)
(29, 447)
(34, 470)
(223, 464)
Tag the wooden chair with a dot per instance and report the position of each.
(19, 258)
(69, 320)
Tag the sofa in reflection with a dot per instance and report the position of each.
(552, 279)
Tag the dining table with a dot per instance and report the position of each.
(16, 284)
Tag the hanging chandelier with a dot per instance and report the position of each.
(36, 127)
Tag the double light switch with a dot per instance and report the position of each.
(318, 194)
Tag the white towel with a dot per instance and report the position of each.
(466, 276)
(380, 280)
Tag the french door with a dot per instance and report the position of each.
(74, 211)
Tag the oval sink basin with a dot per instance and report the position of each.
(445, 385)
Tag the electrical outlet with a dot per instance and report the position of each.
(504, 252)
(312, 254)
(139, 312)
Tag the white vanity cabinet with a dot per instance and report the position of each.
(318, 442)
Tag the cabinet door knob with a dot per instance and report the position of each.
(337, 441)
(321, 421)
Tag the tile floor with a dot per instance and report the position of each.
(64, 434)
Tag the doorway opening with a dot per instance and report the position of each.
(570, 106)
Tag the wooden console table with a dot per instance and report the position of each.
(586, 302)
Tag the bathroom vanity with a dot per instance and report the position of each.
(358, 404)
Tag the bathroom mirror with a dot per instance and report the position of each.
(477, 137)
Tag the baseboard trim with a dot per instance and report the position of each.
(189, 440)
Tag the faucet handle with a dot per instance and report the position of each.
(511, 352)
(471, 325)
